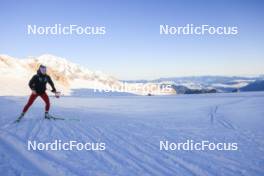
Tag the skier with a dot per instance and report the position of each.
(38, 86)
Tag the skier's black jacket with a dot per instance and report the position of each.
(38, 83)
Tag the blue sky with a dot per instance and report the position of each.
(132, 47)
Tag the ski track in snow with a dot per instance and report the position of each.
(132, 128)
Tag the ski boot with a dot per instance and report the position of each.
(20, 117)
(47, 116)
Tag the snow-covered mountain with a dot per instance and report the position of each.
(15, 74)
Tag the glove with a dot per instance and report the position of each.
(57, 94)
(53, 90)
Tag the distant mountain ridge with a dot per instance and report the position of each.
(255, 86)
(208, 84)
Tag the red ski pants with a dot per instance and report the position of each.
(33, 97)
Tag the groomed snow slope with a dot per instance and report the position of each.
(132, 127)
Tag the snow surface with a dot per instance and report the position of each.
(131, 127)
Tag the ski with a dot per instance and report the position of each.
(59, 118)
(49, 117)
(56, 118)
